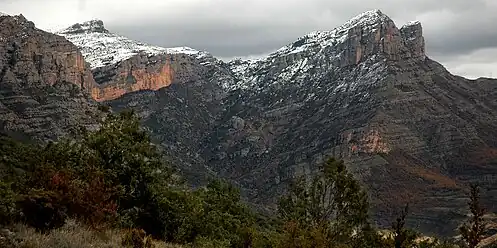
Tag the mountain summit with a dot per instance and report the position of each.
(101, 47)
(121, 65)
(365, 92)
(370, 22)
(92, 26)
(368, 38)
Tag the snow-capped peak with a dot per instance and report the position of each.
(4, 14)
(368, 20)
(91, 26)
(365, 18)
(316, 46)
(101, 47)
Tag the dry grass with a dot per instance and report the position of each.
(73, 235)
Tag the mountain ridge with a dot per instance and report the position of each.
(324, 38)
(101, 47)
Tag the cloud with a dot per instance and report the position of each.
(82, 5)
(455, 30)
(479, 63)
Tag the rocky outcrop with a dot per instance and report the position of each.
(24, 46)
(143, 72)
(132, 75)
(93, 26)
(121, 65)
(42, 82)
(412, 33)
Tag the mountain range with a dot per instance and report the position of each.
(365, 92)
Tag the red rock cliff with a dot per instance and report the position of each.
(142, 72)
(131, 80)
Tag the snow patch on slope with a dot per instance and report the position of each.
(304, 48)
(411, 23)
(367, 20)
(101, 48)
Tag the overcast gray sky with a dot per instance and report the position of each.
(461, 34)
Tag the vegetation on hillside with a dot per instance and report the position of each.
(118, 189)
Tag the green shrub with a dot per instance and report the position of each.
(43, 210)
(105, 173)
(330, 206)
(7, 203)
(256, 237)
(224, 216)
(180, 214)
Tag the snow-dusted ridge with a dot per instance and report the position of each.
(366, 20)
(318, 40)
(101, 47)
(315, 46)
(315, 41)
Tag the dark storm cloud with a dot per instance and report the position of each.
(466, 32)
(222, 41)
(230, 28)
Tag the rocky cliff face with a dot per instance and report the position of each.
(43, 77)
(132, 75)
(367, 93)
(121, 65)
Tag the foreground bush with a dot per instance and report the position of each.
(43, 210)
(96, 178)
(331, 208)
(115, 178)
(7, 203)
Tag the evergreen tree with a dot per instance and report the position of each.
(403, 237)
(331, 203)
(473, 230)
